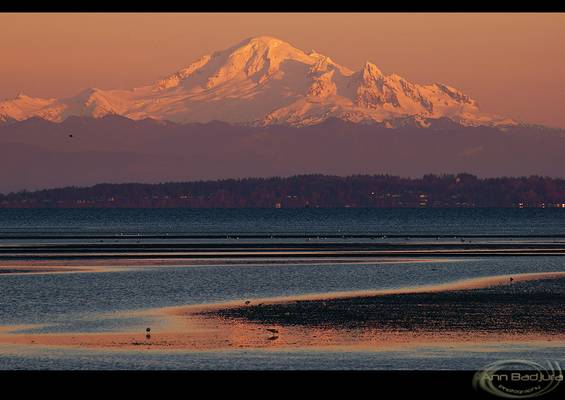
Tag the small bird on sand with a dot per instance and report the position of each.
(511, 279)
(272, 330)
(148, 334)
(247, 302)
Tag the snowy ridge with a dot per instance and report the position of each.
(262, 81)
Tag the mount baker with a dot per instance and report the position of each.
(265, 81)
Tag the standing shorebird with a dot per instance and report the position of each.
(148, 333)
(274, 334)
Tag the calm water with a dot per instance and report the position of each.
(431, 358)
(86, 301)
(269, 221)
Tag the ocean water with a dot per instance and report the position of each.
(430, 358)
(74, 302)
(85, 302)
(503, 221)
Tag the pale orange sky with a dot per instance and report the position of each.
(513, 64)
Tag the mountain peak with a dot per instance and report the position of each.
(371, 70)
(264, 40)
(265, 80)
(262, 44)
(22, 97)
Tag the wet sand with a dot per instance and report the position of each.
(34, 269)
(524, 307)
(319, 249)
(97, 265)
(477, 312)
(463, 284)
(223, 336)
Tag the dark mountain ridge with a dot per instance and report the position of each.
(36, 154)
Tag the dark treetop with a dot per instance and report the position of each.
(462, 190)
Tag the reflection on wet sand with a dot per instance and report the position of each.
(10, 267)
(473, 283)
(39, 269)
(276, 324)
(220, 335)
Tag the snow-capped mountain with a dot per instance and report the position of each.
(265, 81)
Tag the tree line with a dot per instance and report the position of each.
(462, 190)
